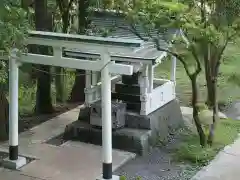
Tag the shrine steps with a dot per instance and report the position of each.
(128, 93)
(133, 102)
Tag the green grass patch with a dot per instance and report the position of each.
(124, 178)
(189, 149)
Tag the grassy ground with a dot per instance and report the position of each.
(190, 151)
(227, 90)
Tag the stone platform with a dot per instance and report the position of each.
(139, 133)
(132, 140)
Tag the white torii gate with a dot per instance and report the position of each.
(105, 47)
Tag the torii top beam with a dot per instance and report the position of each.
(84, 43)
(90, 44)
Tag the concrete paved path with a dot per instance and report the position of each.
(225, 166)
(70, 161)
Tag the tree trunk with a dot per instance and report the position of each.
(43, 97)
(215, 112)
(208, 76)
(60, 78)
(77, 94)
(215, 70)
(210, 93)
(60, 83)
(201, 134)
(4, 113)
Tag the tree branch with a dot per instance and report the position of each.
(177, 56)
(219, 57)
(194, 53)
(134, 31)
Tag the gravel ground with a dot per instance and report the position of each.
(158, 165)
(3, 155)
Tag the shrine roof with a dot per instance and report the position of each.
(114, 25)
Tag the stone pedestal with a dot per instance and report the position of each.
(14, 164)
(113, 178)
(139, 133)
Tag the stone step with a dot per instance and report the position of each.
(127, 89)
(127, 139)
(135, 120)
(135, 107)
(126, 97)
(130, 80)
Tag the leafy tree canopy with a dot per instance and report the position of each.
(13, 24)
(13, 29)
(214, 22)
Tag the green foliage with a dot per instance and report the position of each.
(206, 27)
(235, 78)
(27, 92)
(13, 24)
(124, 178)
(212, 23)
(189, 150)
(3, 74)
(13, 28)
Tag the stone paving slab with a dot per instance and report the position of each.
(225, 166)
(233, 149)
(74, 160)
(49, 129)
(31, 142)
(6, 174)
(119, 157)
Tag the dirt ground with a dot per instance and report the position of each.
(28, 122)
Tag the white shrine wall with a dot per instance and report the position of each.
(160, 91)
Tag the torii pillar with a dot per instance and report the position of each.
(14, 161)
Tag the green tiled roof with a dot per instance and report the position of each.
(117, 27)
